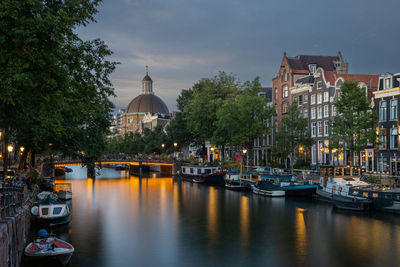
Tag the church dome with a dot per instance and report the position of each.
(147, 103)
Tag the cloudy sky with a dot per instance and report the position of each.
(184, 40)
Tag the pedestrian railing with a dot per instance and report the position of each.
(11, 197)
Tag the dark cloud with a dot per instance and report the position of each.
(183, 41)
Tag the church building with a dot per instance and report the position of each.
(145, 111)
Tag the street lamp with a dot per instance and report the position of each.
(247, 159)
(175, 144)
(22, 149)
(10, 149)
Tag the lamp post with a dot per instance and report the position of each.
(10, 149)
(175, 146)
(247, 162)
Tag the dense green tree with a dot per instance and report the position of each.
(292, 135)
(353, 126)
(54, 87)
(244, 117)
(201, 111)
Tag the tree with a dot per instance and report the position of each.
(200, 112)
(54, 87)
(353, 126)
(242, 118)
(292, 134)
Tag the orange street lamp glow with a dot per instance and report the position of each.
(10, 148)
(22, 149)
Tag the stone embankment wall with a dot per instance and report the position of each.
(13, 236)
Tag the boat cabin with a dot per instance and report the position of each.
(199, 170)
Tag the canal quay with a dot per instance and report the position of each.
(123, 220)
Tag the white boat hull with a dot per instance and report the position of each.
(268, 193)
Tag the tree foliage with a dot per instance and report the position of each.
(54, 87)
(292, 134)
(353, 126)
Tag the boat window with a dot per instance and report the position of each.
(346, 171)
(340, 190)
(207, 171)
(333, 188)
(45, 211)
(388, 196)
(356, 171)
(365, 194)
(375, 195)
(184, 169)
(198, 171)
(398, 197)
(330, 172)
(57, 210)
(355, 192)
(191, 170)
(338, 172)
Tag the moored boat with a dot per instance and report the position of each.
(337, 184)
(238, 181)
(47, 248)
(51, 211)
(203, 174)
(266, 188)
(289, 184)
(64, 191)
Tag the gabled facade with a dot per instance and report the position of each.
(315, 96)
(386, 104)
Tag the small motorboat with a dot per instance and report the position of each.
(51, 211)
(64, 191)
(48, 248)
(198, 180)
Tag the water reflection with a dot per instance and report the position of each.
(166, 222)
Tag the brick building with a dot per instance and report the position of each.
(386, 104)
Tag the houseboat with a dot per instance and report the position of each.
(268, 189)
(203, 174)
(289, 184)
(237, 181)
(337, 185)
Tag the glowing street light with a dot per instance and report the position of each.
(244, 151)
(22, 149)
(301, 149)
(10, 149)
(162, 145)
(175, 144)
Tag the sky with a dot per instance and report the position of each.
(183, 41)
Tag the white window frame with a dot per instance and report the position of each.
(326, 111)
(326, 128)
(312, 99)
(314, 129)
(319, 112)
(313, 113)
(319, 98)
(326, 96)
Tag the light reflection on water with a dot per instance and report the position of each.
(164, 222)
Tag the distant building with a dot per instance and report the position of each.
(145, 111)
(386, 104)
(293, 69)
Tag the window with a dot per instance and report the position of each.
(314, 129)
(284, 108)
(333, 110)
(326, 128)
(382, 111)
(393, 138)
(365, 194)
(393, 109)
(387, 83)
(295, 99)
(319, 98)
(312, 68)
(326, 96)
(284, 76)
(326, 111)
(312, 99)
(285, 91)
(276, 94)
(319, 112)
(320, 128)
(305, 99)
(382, 139)
(300, 100)
(305, 113)
(319, 85)
(313, 113)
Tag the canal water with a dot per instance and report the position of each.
(121, 220)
